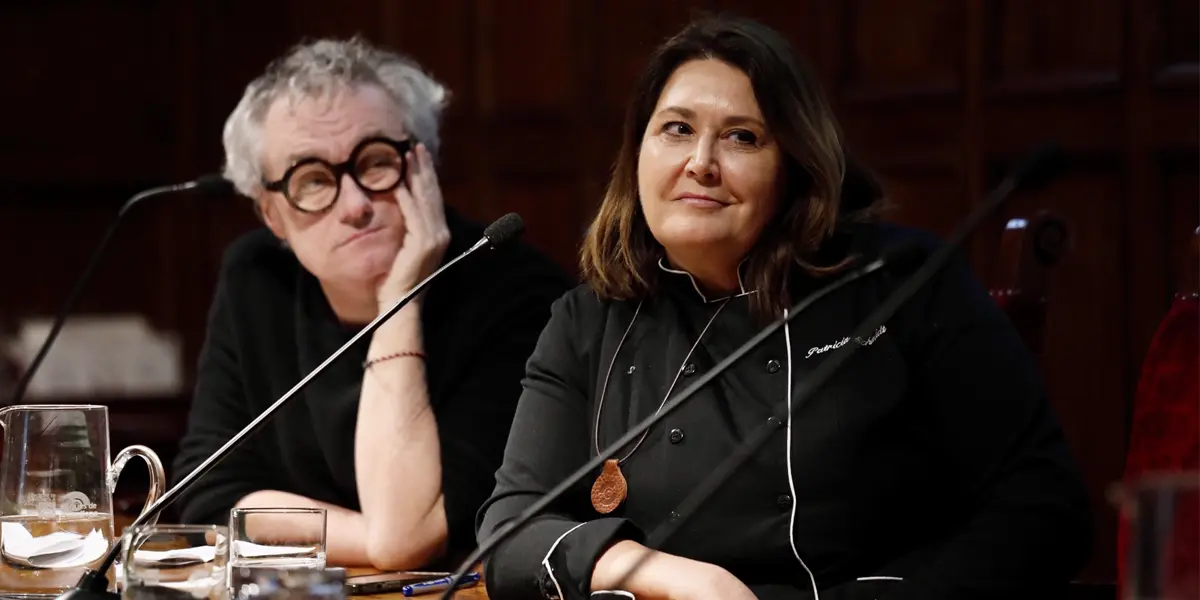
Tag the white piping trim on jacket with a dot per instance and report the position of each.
(546, 559)
(741, 286)
(787, 337)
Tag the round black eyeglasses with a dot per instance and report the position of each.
(376, 164)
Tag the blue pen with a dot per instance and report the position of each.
(437, 585)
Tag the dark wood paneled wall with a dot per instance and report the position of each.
(938, 95)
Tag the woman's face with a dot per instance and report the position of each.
(709, 171)
(355, 241)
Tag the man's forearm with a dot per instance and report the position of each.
(345, 530)
(397, 453)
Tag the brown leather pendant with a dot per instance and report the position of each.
(610, 488)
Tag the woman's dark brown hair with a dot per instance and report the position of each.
(822, 188)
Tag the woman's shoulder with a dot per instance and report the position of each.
(582, 305)
(582, 313)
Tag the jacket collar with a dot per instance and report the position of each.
(681, 275)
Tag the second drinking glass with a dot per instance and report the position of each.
(273, 539)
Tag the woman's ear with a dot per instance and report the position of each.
(270, 216)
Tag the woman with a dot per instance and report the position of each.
(400, 438)
(929, 467)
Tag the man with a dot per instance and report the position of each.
(398, 441)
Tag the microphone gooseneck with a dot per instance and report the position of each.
(94, 582)
(210, 182)
(1037, 168)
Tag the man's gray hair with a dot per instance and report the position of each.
(321, 68)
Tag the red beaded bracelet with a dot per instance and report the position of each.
(367, 363)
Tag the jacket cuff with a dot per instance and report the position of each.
(571, 558)
(569, 548)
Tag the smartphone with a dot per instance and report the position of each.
(389, 582)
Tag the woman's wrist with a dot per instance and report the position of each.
(630, 566)
(400, 333)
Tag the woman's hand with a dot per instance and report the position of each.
(426, 234)
(662, 576)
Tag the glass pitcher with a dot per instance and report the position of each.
(56, 486)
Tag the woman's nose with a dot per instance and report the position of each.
(354, 205)
(702, 163)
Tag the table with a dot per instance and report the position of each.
(478, 592)
(474, 593)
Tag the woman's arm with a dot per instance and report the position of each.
(653, 575)
(567, 547)
(461, 445)
(397, 458)
(397, 453)
(547, 441)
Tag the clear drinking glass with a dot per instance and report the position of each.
(1162, 557)
(175, 562)
(56, 485)
(275, 538)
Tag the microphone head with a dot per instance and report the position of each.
(1039, 167)
(212, 182)
(505, 228)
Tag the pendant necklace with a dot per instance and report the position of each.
(610, 488)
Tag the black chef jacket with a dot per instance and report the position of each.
(930, 466)
(270, 325)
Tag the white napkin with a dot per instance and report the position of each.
(201, 554)
(61, 549)
(175, 558)
(243, 549)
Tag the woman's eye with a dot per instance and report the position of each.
(742, 136)
(677, 128)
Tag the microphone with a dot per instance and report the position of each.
(1035, 169)
(207, 183)
(93, 585)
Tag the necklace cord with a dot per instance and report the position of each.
(674, 382)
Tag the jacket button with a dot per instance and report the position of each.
(689, 370)
(772, 366)
(675, 436)
(784, 502)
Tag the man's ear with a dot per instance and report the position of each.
(270, 216)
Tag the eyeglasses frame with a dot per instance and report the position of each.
(340, 170)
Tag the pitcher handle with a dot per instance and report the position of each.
(158, 477)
